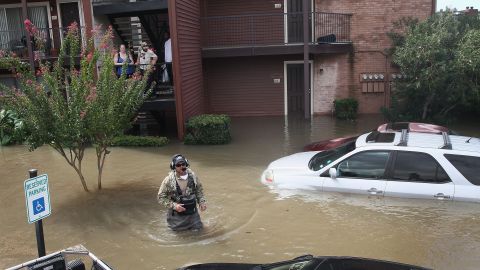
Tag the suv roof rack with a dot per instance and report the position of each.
(403, 138)
(447, 144)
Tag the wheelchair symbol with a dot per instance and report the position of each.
(38, 205)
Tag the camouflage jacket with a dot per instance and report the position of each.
(167, 194)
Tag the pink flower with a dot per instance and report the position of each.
(96, 30)
(29, 26)
(83, 114)
(89, 56)
(29, 82)
(73, 27)
(39, 72)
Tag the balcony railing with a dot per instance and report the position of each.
(48, 41)
(274, 29)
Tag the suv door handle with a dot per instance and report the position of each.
(374, 191)
(441, 196)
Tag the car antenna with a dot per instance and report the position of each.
(468, 141)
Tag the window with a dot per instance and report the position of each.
(12, 30)
(322, 159)
(418, 167)
(369, 164)
(467, 166)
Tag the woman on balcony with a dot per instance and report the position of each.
(120, 58)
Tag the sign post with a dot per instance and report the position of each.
(37, 198)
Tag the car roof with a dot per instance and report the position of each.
(422, 140)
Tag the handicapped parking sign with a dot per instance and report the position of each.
(37, 198)
(38, 205)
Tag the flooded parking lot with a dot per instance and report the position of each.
(245, 221)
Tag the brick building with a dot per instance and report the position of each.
(247, 58)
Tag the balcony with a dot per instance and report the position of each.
(271, 34)
(46, 45)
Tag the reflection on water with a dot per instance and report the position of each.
(245, 221)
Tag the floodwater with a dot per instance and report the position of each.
(245, 221)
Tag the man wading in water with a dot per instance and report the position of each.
(179, 193)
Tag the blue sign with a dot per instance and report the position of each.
(37, 198)
(38, 205)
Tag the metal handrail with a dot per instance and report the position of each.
(260, 29)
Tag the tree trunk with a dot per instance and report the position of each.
(426, 105)
(77, 158)
(101, 155)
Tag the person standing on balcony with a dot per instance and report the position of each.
(146, 61)
(180, 192)
(168, 56)
(121, 57)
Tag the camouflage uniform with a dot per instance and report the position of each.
(168, 197)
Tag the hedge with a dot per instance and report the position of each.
(208, 129)
(346, 108)
(128, 140)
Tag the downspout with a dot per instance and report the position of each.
(306, 69)
(177, 82)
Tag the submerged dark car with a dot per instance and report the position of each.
(309, 262)
(387, 127)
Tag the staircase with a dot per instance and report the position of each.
(131, 32)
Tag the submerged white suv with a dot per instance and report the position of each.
(398, 164)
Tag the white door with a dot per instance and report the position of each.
(418, 175)
(361, 173)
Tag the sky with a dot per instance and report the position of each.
(458, 4)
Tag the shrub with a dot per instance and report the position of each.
(128, 140)
(11, 128)
(346, 108)
(208, 129)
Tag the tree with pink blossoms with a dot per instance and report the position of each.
(75, 102)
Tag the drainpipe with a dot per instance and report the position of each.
(29, 39)
(306, 70)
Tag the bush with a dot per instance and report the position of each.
(11, 128)
(346, 108)
(208, 129)
(128, 140)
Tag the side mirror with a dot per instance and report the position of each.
(333, 173)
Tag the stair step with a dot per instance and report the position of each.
(126, 19)
(132, 28)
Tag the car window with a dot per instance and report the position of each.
(418, 167)
(322, 159)
(467, 166)
(368, 164)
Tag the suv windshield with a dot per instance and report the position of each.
(324, 158)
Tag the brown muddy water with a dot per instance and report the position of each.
(245, 222)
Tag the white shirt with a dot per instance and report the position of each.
(168, 51)
(145, 58)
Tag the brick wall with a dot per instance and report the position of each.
(339, 76)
